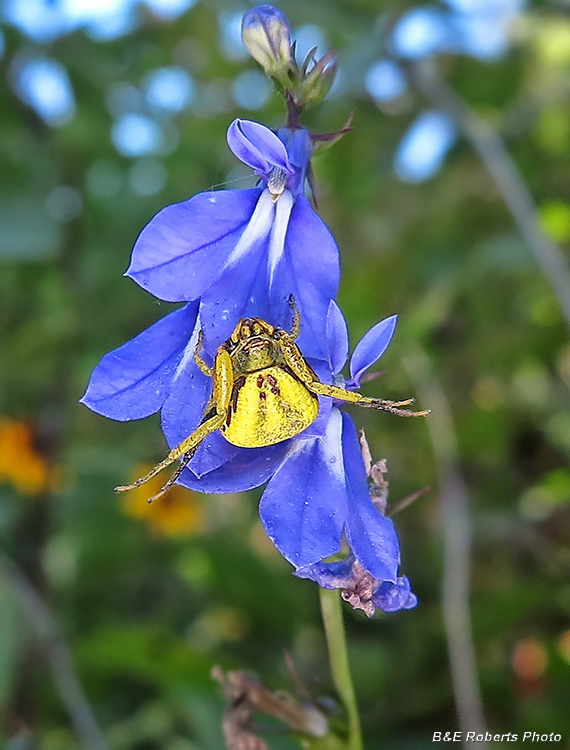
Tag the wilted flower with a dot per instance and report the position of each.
(359, 588)
(244, 252)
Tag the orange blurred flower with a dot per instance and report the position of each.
(21, 465)
(529, 661)
(178, 514)
(529, 658)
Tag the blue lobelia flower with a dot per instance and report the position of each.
(320, 492)
(244, 252)
(318, 488)
(231, 254)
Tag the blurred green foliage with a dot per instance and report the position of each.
(146, 615)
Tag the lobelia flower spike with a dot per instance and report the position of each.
(244, 252)
(234, 254)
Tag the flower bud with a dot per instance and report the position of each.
(266, 33)
(317, 82)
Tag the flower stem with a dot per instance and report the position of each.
(338, 657)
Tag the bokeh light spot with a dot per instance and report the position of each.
(169, 90)
(169, 9)
(251, 89)
(385, 81)
(420, 32)
(44, 85)
(147, 177)
(230, 31)
(555, 220)
(136, 135)
(423, 148)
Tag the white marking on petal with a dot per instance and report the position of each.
(284, 206)
(188, 350)
(332, 440)
(258, 228)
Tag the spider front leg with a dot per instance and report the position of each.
(306, 375)
(351, 397)
(187, 446)
(174, 478)
(296, 324)
(206, 369)
(222, 390)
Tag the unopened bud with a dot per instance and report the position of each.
(266, 33)
(317, 81)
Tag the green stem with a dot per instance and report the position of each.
(338, 656)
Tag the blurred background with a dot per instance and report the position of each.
(449, 201)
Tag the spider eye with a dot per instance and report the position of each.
(245, 332)
(256, 329)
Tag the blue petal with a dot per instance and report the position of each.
(248, 288)
(187, 399)
(244, 469)
(240, 292)
(371, 347)
(132, 381)
(329, 575)
(309, 270)
(392, 597)
(371, 536)
(319, 427)
(303, 508)
(299, 148)
(258, 147)
(337, 338)
(215, 451)
(185, 247)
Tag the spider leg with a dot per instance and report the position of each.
(186, 446)
(351, 397)
(301, 369)
(198, 359)
(221, 395)
(296, 325)
(166, 487)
